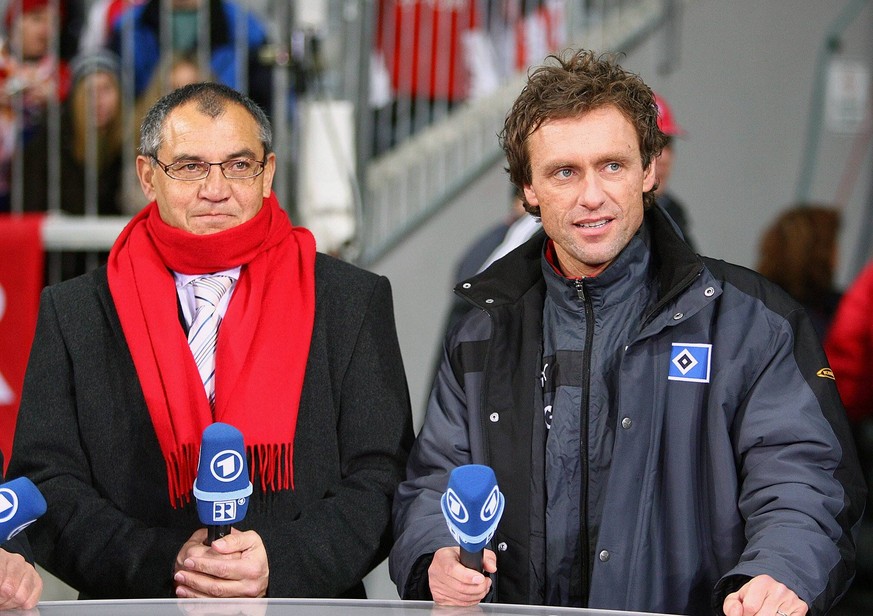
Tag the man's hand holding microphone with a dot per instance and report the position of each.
(472, 506)
(219, 561)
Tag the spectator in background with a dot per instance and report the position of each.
(514, 230)
(227, 20)
(31, 73)
(849, 345)
(100, 21)
(91, 124)
(798, 251)
(90, 153)
(175, 71)
(664, 169)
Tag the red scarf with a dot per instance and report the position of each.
(263, 342)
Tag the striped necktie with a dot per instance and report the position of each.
(203, 334)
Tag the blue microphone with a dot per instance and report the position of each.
(20, 505)
(472, 506)
(222, 487)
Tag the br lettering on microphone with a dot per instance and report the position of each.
(222, 488)
(472, 506)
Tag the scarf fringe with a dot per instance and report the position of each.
(273, 464)
(181, 472)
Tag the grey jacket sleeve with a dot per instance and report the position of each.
(801, 490)
(443, 443)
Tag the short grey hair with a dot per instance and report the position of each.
(212, 99)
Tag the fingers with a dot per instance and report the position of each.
(489, 561)
(765, 596)
(451, 583)
(199, 586)
(233, 566)
(20, 584)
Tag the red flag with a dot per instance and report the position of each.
(21, 279)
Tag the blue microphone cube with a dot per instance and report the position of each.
(472, 505)
(20, 504)
(222, 487)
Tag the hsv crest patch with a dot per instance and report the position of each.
(690, 362)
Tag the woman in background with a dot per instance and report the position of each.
(798, 251)
(89, 151)
(92, 114)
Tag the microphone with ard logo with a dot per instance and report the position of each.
(472, 506)
(20, 505)
(222, 487)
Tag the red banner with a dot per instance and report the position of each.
(21, 279)
(421, 42)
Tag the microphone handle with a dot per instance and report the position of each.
(214, 532)
(472, 560)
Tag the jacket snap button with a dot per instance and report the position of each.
(494, 417)
(502, 547)
(466, 285)
(604, 556)
(626, 423)
(678, 316)
(709, 292)
(489, 301)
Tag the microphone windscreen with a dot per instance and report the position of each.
(222, 487)
(472, 505)
(20, 504)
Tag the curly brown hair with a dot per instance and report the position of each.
(798, 251)
(580, 82)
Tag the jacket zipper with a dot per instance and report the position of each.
(583, 428)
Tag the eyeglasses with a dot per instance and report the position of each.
(192, 170)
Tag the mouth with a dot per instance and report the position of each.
(597, 224)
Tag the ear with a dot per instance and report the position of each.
(650, 176)
(269, 173)
(531, 196)
(145, 171)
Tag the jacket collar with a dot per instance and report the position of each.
(674, 263)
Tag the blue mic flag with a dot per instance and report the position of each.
(20, 504)
(472, 505)
(222, 487)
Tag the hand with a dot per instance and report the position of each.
(233, 566)
(765, 596)
(20, 584)
(451, 583)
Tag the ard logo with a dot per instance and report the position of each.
(456, 508)
(8, 504)
(226, 465)
(491, 506)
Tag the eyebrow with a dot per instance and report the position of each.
(244, 153)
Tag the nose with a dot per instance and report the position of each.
(214, 187)
(591, 193)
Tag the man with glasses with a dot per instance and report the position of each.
(301, 355)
